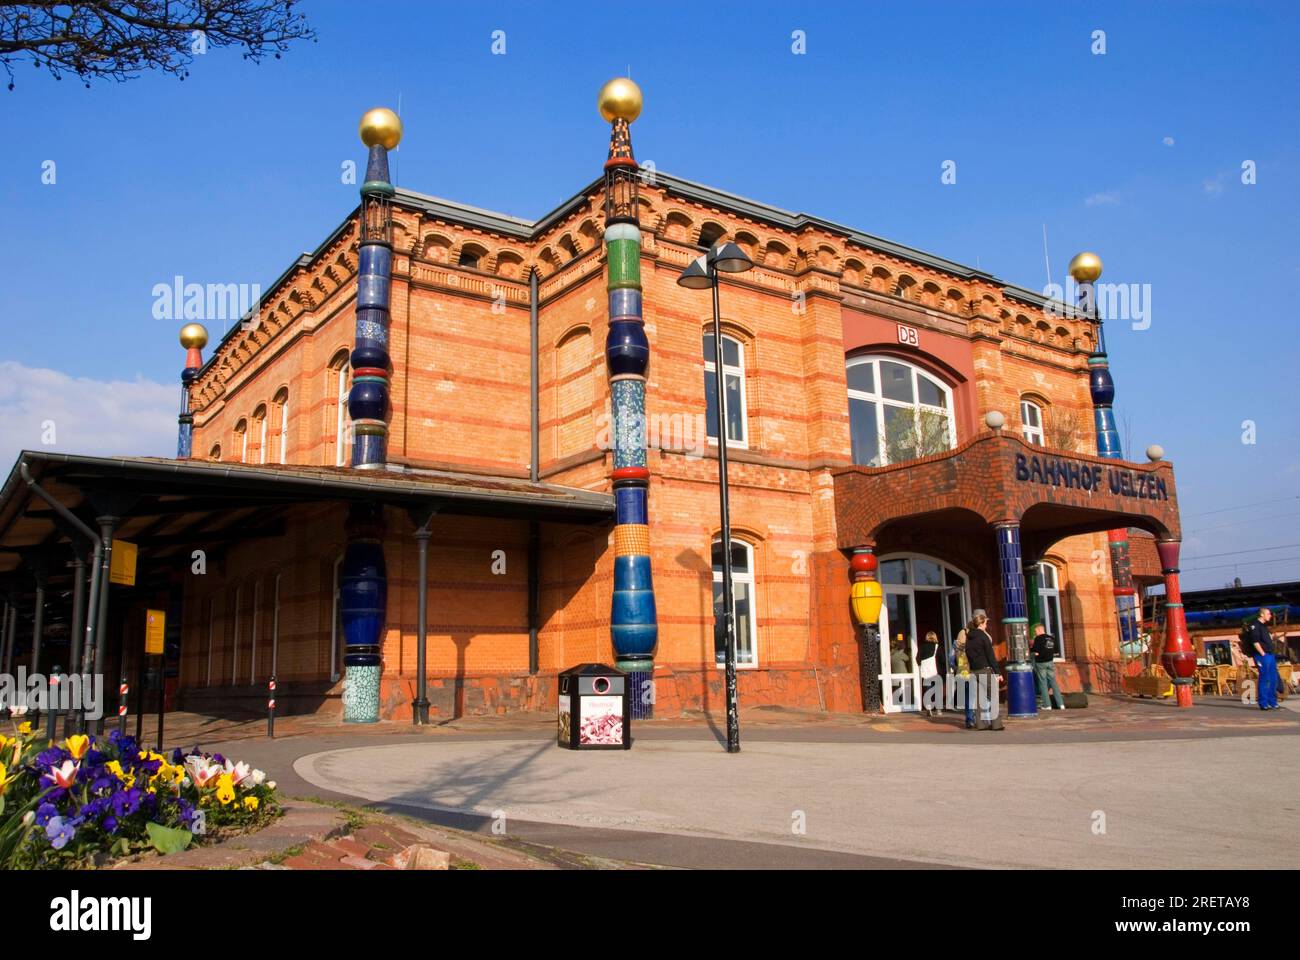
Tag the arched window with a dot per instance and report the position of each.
(259, 420)
(215, 453)
(472, 256)
(733, 383)
(710, 234)
(340, 375)
(743, 604)
(1031, 422)
(241, 439)
(1049, 600)
(897, 412)
(281, 404)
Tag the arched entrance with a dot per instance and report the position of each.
(921, 594)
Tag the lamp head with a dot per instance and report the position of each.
(730, 258)
(696, 276)
(995, 420)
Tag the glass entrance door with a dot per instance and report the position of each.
(921, 595)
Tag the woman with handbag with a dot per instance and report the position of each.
(927, 658)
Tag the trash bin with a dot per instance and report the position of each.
(594, 710)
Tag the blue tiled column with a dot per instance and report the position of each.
(1021, 699)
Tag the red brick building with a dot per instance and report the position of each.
(861, 370)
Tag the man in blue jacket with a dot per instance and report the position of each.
(1260, 642)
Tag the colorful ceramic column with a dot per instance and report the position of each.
(194, 337)
(633, 627)
(865, 598)
(1085, 268)
(381, 131)
(1022, 701)
(1178, 657)
(363, 611)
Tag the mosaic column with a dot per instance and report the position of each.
(381, 131)
(1085, 268)
(633, 627)
(864, 600)
(1179, 656)
(194, 337)
(363, 608)
(1022, 701)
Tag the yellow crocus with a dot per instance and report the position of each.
(77, 745)
(25, 728)
(5, 778)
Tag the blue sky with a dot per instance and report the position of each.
(1136, 154)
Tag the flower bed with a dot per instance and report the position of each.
(82, 801)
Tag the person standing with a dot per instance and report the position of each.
(959, 671)
(983, 661)
(927, 659)
(1260, 643)
(1044, 650)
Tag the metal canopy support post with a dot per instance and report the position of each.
(423, 519)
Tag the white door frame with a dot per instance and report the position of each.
(887, 677)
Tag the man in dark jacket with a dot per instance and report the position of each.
(1260, 643)
(1044, 649)
(984, 668)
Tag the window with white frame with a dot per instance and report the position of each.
(742, 602)
(733, 384)
(1049, 602)
(897, 411)
(281, 406)
(1031, 422)
(259, 417)
(342, 423)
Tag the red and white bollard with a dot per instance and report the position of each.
(122, 691)
(270, 708)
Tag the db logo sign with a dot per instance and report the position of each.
(909, 336)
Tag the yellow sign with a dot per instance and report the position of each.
(155, 624)
(121, 568)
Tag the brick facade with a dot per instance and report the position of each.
(461, 394)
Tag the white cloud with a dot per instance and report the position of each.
(1106, 198)
(1214, 186)
(1168, 141)
(94, 417)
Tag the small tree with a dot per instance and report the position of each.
(917, 436)
(117, 40)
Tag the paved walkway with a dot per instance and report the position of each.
(1124, 783)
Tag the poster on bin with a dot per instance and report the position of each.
(565, 732)
(601, 720)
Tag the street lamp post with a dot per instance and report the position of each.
(700, 274)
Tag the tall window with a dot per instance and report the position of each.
(742, 602)
(896, 412)
(733, 382)
(215, 452)
(1031, 422)
(241, 438)
(1049, 597)
(342, 422)
(281, 403)
(259, 418)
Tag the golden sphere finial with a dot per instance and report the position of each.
(194, 335)
(1085, 267)
(380, 126)
(619, 99)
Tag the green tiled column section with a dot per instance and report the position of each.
(624, 264)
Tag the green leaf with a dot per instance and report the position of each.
(167, 839)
